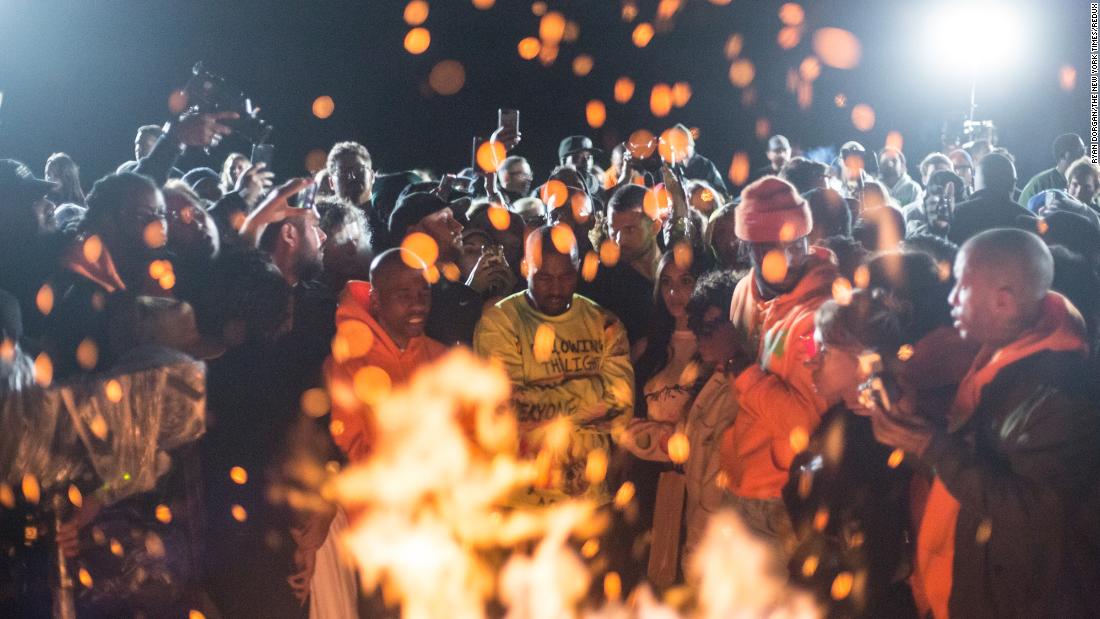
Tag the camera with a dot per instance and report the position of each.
(208, 91)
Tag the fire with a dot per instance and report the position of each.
(595, 113)
(624, 89)
(643, 34)
(323, 106)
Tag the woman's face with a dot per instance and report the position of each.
(725, 243)
(676, 286)
(836, 371)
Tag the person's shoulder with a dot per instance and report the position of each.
(507, 308)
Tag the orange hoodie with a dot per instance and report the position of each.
(350, 416)
(1060, 329)
(777, 395)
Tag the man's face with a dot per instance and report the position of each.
(309, 253)
(400, 302)
(190, 230)
(795, 253)
(341, 254)
(779, 156)
(1075, 153)
(633, 231)
(551, 285)
(835, 370)
(144, 144)
(516, 178)
(1083, 188)
(963, 168)
(580, 161)
(973, 302)
(351, 179)
(446, 231)
(890, 167)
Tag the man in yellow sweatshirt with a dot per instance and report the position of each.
(567, 358)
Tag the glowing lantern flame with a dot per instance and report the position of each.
(240, 514)
(679, 448)
(552, 28)
(238, 475)
(656, 201)
(681, 94)
(595, 469)
(643, 34)
(673, 145)
(896, 456)
(315, 402)
(739, 168)
(43, 370)
(595, 113)
(1067, 78)
(624, 495)
(75, 496)
(791, 14)
(563, 238)
(87, 354)
(554, 194)
(683, 256)
(499, 217)
(582, 65)
(590, 266)
(548, 54)
(371, 384)
(417, 42)
(810, 69)
(529, 48)
(742, 73)
(85, 578)
(353, 340)
(32, 492)
(543, 346)
(177, 102)
(788, 37)
(660, 100)
(609, 253)
(863, 117)
(774, 267)
(894, 140)
(490, 155)
(7, 496)
(98, 426)
(92, 248)
(641, 144)
(862, 276)
(484, 5)
(624, 89)
(612, 586)
(842, 585)
(416, 12)
(447, 77)
(842, 291)
(763, 128)
(164, 513)
(734, 45)
(538, 8)
(419, 250)
(837, 48)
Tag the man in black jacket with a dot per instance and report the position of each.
(1000, 535)
(991, 206)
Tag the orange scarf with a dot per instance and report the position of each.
(1060, 328)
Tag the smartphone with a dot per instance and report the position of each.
(508, 118)
(307, 198)
(263, 153)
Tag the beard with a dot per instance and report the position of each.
(309, 267)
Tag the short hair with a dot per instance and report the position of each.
(1083, 166)
(145, 130)
(336, 213)
(998, 172)
(871, 319)
(387, 261)
(111, 192)
(269, 238)
(344, 149)
(713, 289)
(541, 241)
(509, 162)
(627, 198)
(940, 249)
(1017, 255)
(830, 212)
(801, 172)
(943, 178)
(1067, 142)
(932, 159)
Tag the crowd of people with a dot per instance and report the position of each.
(890, 378)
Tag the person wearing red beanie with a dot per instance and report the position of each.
(774, 310)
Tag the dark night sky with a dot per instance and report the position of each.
(80, 76)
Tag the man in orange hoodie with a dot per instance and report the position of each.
(774, 307)
(379, 342)
(1001, 534)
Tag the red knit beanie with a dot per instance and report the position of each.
(771, 211)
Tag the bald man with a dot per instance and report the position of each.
(991, 206)
(1002, 528)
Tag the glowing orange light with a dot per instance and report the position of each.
(544, 343)
(805, 95)
(529, 48)
(499, 217)
(683, 255)
(660, 100)
(554, 194)
(863, 117)
(720, 2)
(552, 27)
(612, 586)
(417, 42)
(490, 155)
(896, 456)
(679, 448)
(641, 144)
(1067, 77)
(595, 469)
(177, 102)
(742, 73)
(810, 69)
(629, 11)
(791, 14)
(609, 253)
(548, 54)
(842, 290)
(788, 37)
(842, 585)
(681, 94)
(624, 89)
(315, 402)
(85, 578)
(590, 548)
(763, 128)
(315, 161)
(734, 44)
(809, 566)
(44, 299)
(624, 495)
(894, 140)
(43, 370)
(572, 31)
(582, 65)
(643, 34)
(416, 12)
(484, 5)
(7, 496)
(739, 168)
(353, 339)
(32, 492)
(167, 281)
(98, 426)
(673, 145)
(984, 532)
(164, 513)
(563, 238)
(905, 352)
(862, 277)
(447, 77)
(656, 201)
(75, 496)
(371, 384)
(774, 269)
(92, 248)
(155, 235)
(840, 100)
(590, 266)
(239, 513)
(196, 614)
(238, 475)
(538, 8)
(595, 113)
(419, 250)
(800, 439)
(87, 354)
(837, 48)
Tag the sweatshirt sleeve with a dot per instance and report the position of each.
(616, 377)
(158, 163)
